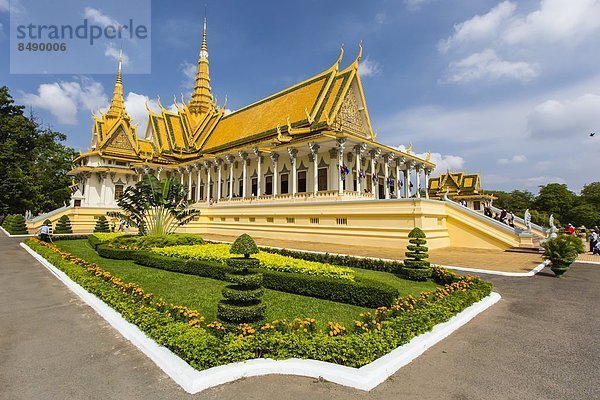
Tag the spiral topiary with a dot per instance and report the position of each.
(416, 267)
(15, 224)
(63, 225)
(242, 303)
(102, 225)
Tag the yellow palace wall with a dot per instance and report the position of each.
(383, 223)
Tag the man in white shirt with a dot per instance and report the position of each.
(45, 233)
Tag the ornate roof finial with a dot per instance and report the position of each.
(117, 104)
(360, 51)
(202, 99)
(339, 60)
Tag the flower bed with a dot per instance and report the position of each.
(204, 345)
(274, 262)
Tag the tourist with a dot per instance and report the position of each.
(596, 250)
(511, 219)
(503, 216)
(593, 239)
(570, 229)
(45, 233)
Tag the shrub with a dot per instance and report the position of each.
(63, 225)
(98, 238)
(15, 224)
(47, 222)
(102, 225)
(416, 267)
(275, 262)
(373, 264)
(155, 241)
(563, 249)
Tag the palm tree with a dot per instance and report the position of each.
(155, 207)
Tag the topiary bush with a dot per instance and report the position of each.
(63, 225)
(47, 222)
(416, 267)
(156, 241)
(242, 303)
(15, 224)
(102, 225)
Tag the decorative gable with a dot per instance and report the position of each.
(121, 142)
(349, 116)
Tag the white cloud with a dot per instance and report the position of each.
(4, 6)
(556, 119)
(63, 99)
(368, 67)
(480, 27)
(98, 17)
(555, 20)
(227, 111)
(189, 74)
(111, 51)
(516, 159)
(488, 66)
(442, 163)
(536, 181)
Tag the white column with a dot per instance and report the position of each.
(230, 160)
(181, 176)
(314, 154)
(207, 165)
(359, 150)
(258, 172)
(397, 183)
(373, 173)
(158, 171)
(427, 172)
(407, 180)
(418, 180)
(275, 158)
(198, 182)
(189, 171)
(386, 173)
(244, 157)
(293, 153)
(341, 143)
(219, 163)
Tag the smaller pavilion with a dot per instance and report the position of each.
(460, 187)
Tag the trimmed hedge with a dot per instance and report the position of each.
(102, 225)
(364, 292)
(344, 261)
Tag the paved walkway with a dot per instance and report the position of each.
(539, 342)
(589, 257)
(495, 260)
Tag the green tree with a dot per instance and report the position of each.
(516, 201)
(102, 225)
(63, 225)
(416, 267)
(155, 207)
(33, 162)
(590, 194)
(584, 214)
(555, 198)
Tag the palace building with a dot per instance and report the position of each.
(459, 186)
(301, 164)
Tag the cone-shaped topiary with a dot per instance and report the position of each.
(102, 225)
(416, 267)
(63, 225)
(242, 298)
(15, 225)
(47, 223)
(7, 221)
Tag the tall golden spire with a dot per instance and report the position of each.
(202, 99)
(117, 105)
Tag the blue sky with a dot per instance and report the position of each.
(509, 89)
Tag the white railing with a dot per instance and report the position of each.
(298, 197)
(519, 220)
(481, 216)
(48, 214)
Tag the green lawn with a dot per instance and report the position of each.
(203, 294)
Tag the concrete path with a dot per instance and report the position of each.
(540, 342)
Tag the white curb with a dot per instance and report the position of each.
(194, 381)
(9, 235)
